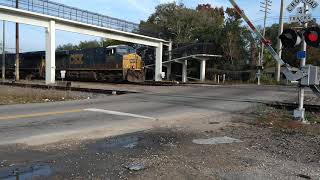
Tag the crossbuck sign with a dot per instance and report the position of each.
(302, 13)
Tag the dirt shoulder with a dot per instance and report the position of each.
(272, 147)
(18, 95)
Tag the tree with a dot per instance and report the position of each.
(236, 39)
(68, 46)
(170, 21)
(89, 44)
(203, 24)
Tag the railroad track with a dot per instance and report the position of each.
(278, 105)
(69, 88)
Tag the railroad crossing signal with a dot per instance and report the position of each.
(312, 37)
(308, 75)
(290, 38)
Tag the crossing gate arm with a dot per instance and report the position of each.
(286, 70)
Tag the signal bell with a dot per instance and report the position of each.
(290, 38)
(312, 36)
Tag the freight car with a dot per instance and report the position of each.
(111, 64)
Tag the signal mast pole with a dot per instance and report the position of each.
(279, 44)
(300, 112)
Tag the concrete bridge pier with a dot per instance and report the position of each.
(170, 58)
(158, 64)
(51, 53)
(202, 70)
(184, 71)
(169, 72)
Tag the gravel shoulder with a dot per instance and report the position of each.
(17, 95)
(273, 147)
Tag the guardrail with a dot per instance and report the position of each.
(66, 12)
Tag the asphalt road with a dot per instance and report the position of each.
(35, 124)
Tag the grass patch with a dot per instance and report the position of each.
(282, 120)
(313, 117)
(268, 80)
(17, 95)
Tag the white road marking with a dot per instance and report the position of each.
(119, 113)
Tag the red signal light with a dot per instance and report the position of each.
(313, 37)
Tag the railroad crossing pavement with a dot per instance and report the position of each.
(36, 124)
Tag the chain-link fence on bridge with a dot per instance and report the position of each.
(70, 13)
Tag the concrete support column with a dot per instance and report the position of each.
(158, 64)
(169, 72)
(202, 70)
(184, 71)
(51, 53)
(170, 58)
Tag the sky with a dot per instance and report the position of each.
(33, 38)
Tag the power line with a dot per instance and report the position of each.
(265, 4)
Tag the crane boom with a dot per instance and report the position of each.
(287, 68)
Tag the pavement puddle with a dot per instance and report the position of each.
(25, 173)
(133, 142)
(127, 142)
(216, 140)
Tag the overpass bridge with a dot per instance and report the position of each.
(54, 16)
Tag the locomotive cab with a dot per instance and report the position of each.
(131, 62)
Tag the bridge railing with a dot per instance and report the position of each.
(70, 13)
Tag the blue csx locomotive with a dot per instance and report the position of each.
(111, 64)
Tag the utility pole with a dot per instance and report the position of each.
(265, 5)
(279, 44)
(4, 52)
(17, 74)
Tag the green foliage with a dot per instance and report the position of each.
(313, 117)
(266, 79)
(204, 24)
(68, 46)
(90, 44)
